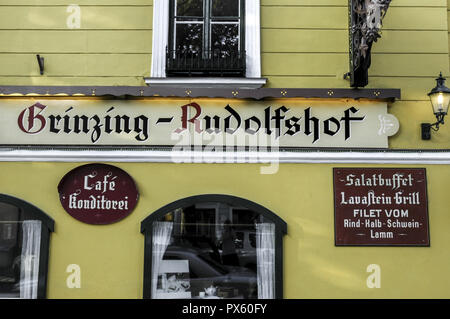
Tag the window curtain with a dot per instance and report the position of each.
(162, 232)
(29, 268)
(265, 257)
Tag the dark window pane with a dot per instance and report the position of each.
(239, 241)
(189, 8)
(225, 8)
(9, 251)
(252, 239)
(224, 39)
(189, 37)
(219, 257)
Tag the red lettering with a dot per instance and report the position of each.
(193, 120)
(32, 116)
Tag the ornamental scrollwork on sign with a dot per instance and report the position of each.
(365, 22)
(388, 126)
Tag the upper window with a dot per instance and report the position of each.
(24, 240)
(213, 247)
(206, 38)
(206, 43)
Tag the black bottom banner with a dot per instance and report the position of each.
(180, 309)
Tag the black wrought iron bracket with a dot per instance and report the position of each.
(427, 127)
(41, 63)
(365, 21)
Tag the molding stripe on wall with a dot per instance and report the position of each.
(166, 156)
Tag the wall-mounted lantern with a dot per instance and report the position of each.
(440, 99)
(365, 21)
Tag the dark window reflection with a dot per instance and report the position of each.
(206, 38)
(189, 37)
(218, 246)
(10, 250)
(225, 39)
(189, 8)
(225, 8)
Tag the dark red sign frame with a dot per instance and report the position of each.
(98, 194)
(412, 200)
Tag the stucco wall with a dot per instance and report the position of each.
(111, 257)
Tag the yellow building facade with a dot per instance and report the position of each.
(107, 53)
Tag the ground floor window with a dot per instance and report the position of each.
(24, 239)
(213, 247)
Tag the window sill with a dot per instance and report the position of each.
(212, 82)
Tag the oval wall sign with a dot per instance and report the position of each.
(98, 194)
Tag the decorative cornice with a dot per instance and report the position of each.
(192, 92)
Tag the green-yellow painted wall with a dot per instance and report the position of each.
(448, 25)
(111, 257)
(304, 43)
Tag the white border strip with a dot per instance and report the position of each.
(152, 156)
(182, 82)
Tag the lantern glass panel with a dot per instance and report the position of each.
(440, 102)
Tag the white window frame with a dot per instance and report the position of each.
(161, 17)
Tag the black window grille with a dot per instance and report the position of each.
(206, 38)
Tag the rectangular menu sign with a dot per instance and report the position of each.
(381, 206)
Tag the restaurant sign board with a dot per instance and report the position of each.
(205, 122)
(381, 207)
(98, 194)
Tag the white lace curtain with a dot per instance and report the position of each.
(162, 232)
(29, 267)
(265, 257)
